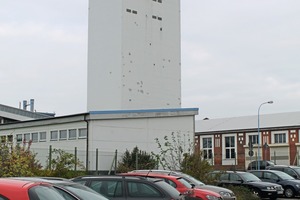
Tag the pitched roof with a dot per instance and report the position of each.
(20, 114)
(291, 119)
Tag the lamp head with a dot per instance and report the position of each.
(270, 102)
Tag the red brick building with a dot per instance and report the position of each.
(225, 142)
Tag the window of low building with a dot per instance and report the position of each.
(62, 134)
(34, 137)
(82, 133)
(72, 134)
(53, 135)
(19, 138)
(26, 137)
(43, 136)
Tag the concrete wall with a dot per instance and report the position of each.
(125, 134)
(134, 55)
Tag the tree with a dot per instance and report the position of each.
(194, 165)
(18, 160)
(136, 159)
(179, 153)
(172, 150)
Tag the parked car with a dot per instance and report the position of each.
(224, 192)
(181, 185)
(68, 189)
(130, 188)
(248, 180)
(27, 190)
(293, 171)
(263, 164)
(290, 185)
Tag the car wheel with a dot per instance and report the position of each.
(256, 192)
(289, 192)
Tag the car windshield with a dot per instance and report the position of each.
(193, 180)
(45, 193)
(84, 192)
(248, 177)
(184, 182)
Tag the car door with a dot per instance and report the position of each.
(137, 190)
(235, 179)
(110, 188)
(270, 177)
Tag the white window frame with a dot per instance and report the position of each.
(63, 134)
(247, 138)
(79, 131)
(52, 138)
(224, 148)
(37, 137)
(17, 137)
(69, 134)
(212, 145)
(273, 133)
(41, 139)
(26, 135)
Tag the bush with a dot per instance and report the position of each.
(136, 159)
(243, 193)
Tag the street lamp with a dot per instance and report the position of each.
(258, 134)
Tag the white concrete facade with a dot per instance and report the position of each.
(134, 55)
(105, 131)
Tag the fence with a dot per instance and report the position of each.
(98, 162)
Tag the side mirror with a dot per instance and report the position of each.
(193, 185)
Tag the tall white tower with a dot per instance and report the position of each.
(134, 54)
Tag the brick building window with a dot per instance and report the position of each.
(207, 148)
(230, 147)
(253, 139)
(279, 138)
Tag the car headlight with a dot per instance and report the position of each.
(225, 194)
(210, 197)
(297, 185)
(271, 188)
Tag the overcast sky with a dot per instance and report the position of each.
(235, 55)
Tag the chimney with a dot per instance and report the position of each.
(24, 104)
(32, 105)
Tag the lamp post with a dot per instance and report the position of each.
(258, 134)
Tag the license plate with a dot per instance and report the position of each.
(279, 192)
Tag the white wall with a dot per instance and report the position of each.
(134, 59)
(122, 134)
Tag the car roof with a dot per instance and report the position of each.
(18, 184)
(287, 166)
(151, 174)
(118, 176)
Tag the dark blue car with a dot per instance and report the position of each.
(290, 185)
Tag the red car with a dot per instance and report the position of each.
(181, 185)
(11, 189)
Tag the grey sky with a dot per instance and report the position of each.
(235, 55)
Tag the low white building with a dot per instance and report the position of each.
(102, 131)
